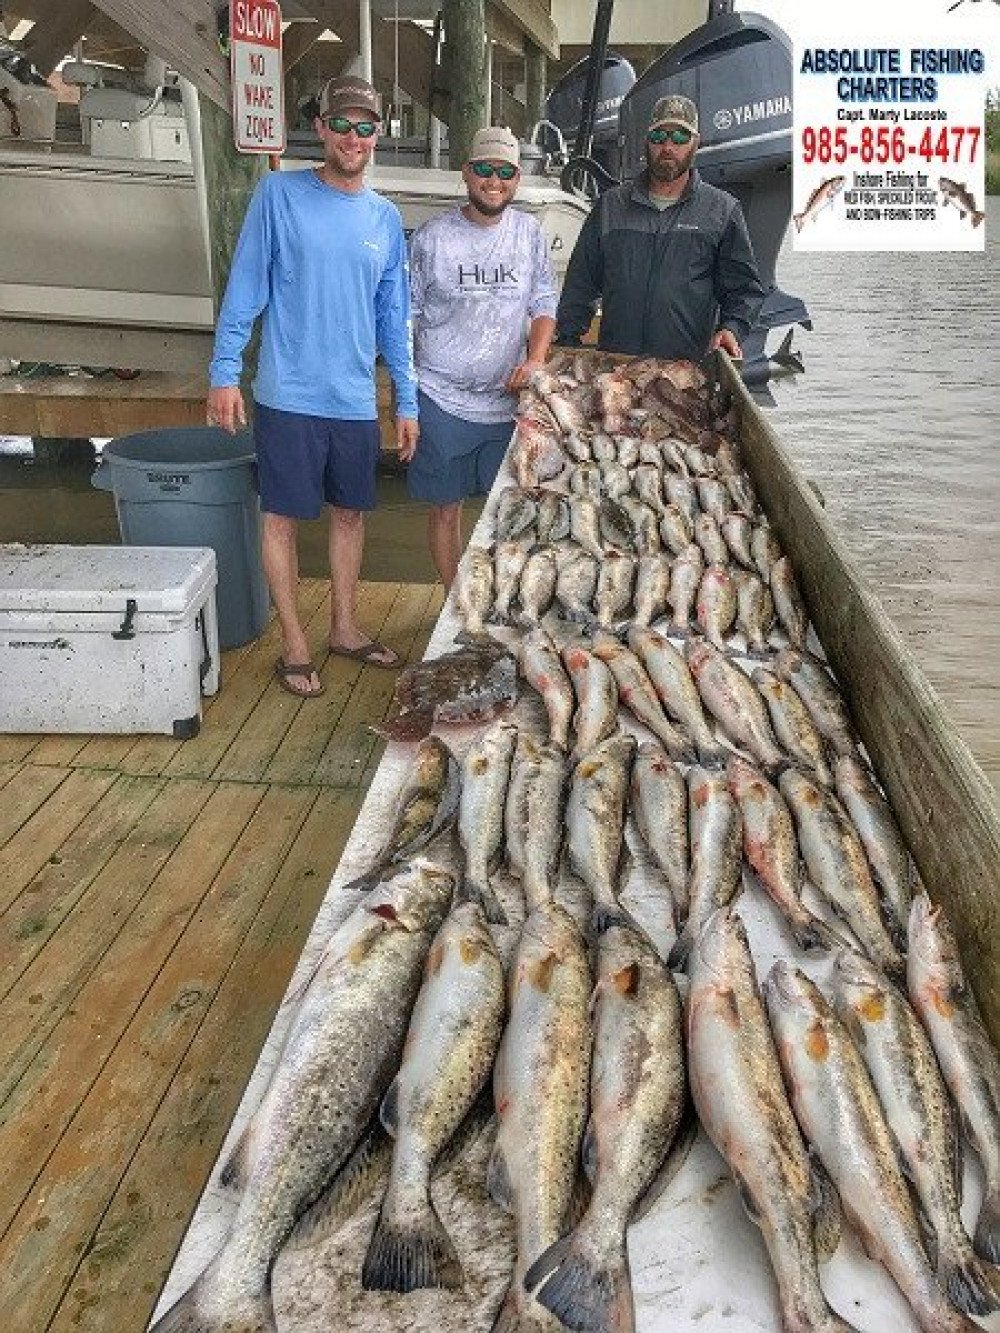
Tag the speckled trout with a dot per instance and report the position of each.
(338, 1060)
(540, 1087)
(447, 1059)
(740, 1099)
(840, 1115)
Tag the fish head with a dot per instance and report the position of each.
(742, 777)
(416, 898)
(698, 652)
(859, 987)
(723, 949)
(932, 943)
(799, 1013)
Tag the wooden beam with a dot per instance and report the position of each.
(56, 32)
(503, 31)
(183, 33)
(298, 40)
(535, 21)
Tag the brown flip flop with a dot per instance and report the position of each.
(369, 654)
(285, 671)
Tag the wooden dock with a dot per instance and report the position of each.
(154, 899)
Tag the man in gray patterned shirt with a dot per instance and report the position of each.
(483, 307)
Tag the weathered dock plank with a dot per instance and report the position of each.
(41, 836)
(151, 914)
(77, 1174)
(150, 1209)
(53, 979)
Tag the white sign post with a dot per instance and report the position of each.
(257, 76)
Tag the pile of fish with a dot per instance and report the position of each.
(546, 895)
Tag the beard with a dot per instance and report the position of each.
(488, 208)
(668, 169)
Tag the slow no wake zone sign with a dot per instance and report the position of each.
(255, 69)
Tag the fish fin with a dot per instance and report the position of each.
(199, 1310)
(470, 892)
(409, 1252)
(977, 217)
(986, 1241)
(812, 934)
(588, 1151)
(587, 1287)
(968, 1282)
(413, 725)
(683, 1141)
(604, 916)
(498, 1184)
(389, 1110)
(350, 1187)
(752, 1211)
(235, 1173)
(826, 1212)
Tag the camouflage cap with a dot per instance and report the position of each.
(675, 109)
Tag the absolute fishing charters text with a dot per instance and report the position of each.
(888, 74)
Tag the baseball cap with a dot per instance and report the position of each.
(349, 93)
(495, 144)
(675, 109)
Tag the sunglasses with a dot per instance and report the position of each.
(364, 129)
(677, 136)
(484, 170)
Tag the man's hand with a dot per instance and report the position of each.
(225, 408)
(407, 434)
(520, 375)
(726, 339)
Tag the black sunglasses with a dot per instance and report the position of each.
(677, 136)
(484, 170)
(364, 129)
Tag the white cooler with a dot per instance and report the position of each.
(107, 638)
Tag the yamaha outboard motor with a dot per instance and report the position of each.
(737, 69)
(564, 106)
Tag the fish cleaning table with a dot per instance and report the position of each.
(698, 1262)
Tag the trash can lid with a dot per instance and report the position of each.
(192, 447)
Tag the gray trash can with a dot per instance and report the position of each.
(195, 486)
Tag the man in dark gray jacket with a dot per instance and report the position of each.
(668, 255)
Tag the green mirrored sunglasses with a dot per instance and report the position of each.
(677, 136)
(484, 170)
(364, 129)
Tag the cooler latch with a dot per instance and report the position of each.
(127, 628)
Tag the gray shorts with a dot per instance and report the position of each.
(455, 458)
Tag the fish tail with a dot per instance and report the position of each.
(198, 1312)
(812, 934)
(678, 956)
(410, 1251)
(977, 218)
(606, 915)
(799, 220)
(967, 1282)
(469, 891)
(584, 1287)
(986, 1241)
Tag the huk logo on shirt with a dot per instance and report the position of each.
(478, 275)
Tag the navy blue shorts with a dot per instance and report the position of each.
(304, 462)
(455, 458)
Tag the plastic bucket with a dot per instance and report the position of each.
(195, 486)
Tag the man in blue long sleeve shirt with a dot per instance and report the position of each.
(323, 259)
